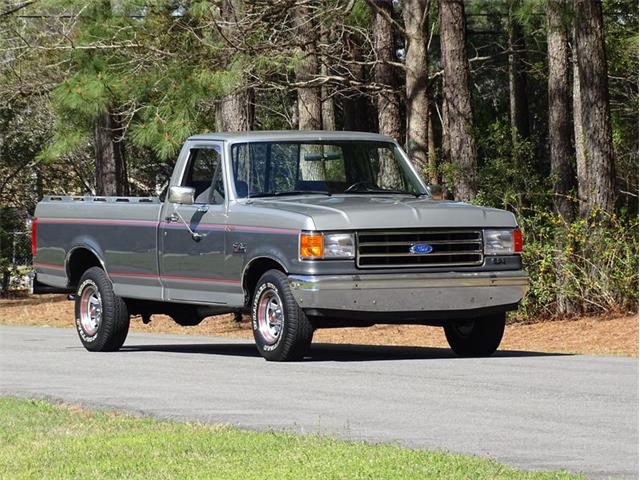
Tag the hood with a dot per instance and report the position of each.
(354, 212)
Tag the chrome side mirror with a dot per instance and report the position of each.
(182, 195)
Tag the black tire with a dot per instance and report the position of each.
(108, 333)
(295, 333)
(479, 337)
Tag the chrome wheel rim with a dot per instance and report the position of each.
(90, 310)
(270, 316)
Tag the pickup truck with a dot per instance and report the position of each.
(303, 230)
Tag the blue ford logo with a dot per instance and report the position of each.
(421, 248)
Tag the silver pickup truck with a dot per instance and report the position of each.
(304, 230)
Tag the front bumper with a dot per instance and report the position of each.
(410, 292)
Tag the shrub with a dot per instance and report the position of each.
(591, 263)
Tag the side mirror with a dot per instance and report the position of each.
(182, 195)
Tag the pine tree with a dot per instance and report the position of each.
(416, 22)
(595, 115)
(459, 146)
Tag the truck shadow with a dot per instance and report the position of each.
(326, 352)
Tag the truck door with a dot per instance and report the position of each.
(192, 256)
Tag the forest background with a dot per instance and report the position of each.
(527, 105)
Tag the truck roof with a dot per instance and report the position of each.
(291, 135)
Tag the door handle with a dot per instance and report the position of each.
(175, 217)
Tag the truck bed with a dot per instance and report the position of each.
(123, 231)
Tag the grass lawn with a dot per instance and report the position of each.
(41, 440)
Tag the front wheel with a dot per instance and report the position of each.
(102, 318)
(281, 329)
(475, 337)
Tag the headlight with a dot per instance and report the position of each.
(339, 245)
(502, 242)
(316, 246)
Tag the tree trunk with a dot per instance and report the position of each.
(39, 184)
(111, 171)
(385, 75)
(416, 16)
(328, 106)
(110, 162)
(518, 104)
(328, 109)
(235, 112)
(354, 103)
(582, 174)
(559, 88)
(595, 114)
(433, 154)
(309, 97)
(6, 277)
(459, 146)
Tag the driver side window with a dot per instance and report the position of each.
(204, 174)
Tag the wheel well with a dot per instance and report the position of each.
(253, 273)
(79, 262)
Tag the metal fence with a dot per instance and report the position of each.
(16, 250)
(20, 249)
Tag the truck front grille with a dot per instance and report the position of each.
(393, 249)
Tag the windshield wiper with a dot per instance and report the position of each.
(290, 192)
(383, 191)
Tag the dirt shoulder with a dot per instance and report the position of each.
(611, 335)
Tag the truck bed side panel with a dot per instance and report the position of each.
(123, 236)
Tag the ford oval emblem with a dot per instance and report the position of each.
(421, 248)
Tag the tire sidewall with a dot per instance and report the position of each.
(114, 323)
(483, 339)
(84, 337)
(267, 282)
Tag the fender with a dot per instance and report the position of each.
(249, 264)
(263, 257)
(89, 244)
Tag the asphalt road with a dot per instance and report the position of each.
(530, 410)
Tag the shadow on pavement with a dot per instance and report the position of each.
(325, 352)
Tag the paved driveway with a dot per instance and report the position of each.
(531, 410)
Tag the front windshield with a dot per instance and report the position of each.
(264, 169)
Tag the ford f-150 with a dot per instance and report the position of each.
(303, 230)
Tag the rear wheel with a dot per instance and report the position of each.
(475, 337)
(281, 329)
(102, 318)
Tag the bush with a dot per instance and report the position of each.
(590, 264)
(587, 266)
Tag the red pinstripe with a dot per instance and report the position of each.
(145, 223)
(49, 265)
(148, 275)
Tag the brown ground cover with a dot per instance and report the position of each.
(606, 335)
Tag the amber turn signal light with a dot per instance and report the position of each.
(311, 245)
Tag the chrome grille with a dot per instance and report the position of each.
(391, 249)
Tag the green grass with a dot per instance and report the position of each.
(41, 440)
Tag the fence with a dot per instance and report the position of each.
(15, 260)
(20, 249)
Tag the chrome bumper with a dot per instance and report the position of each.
(410, 292)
